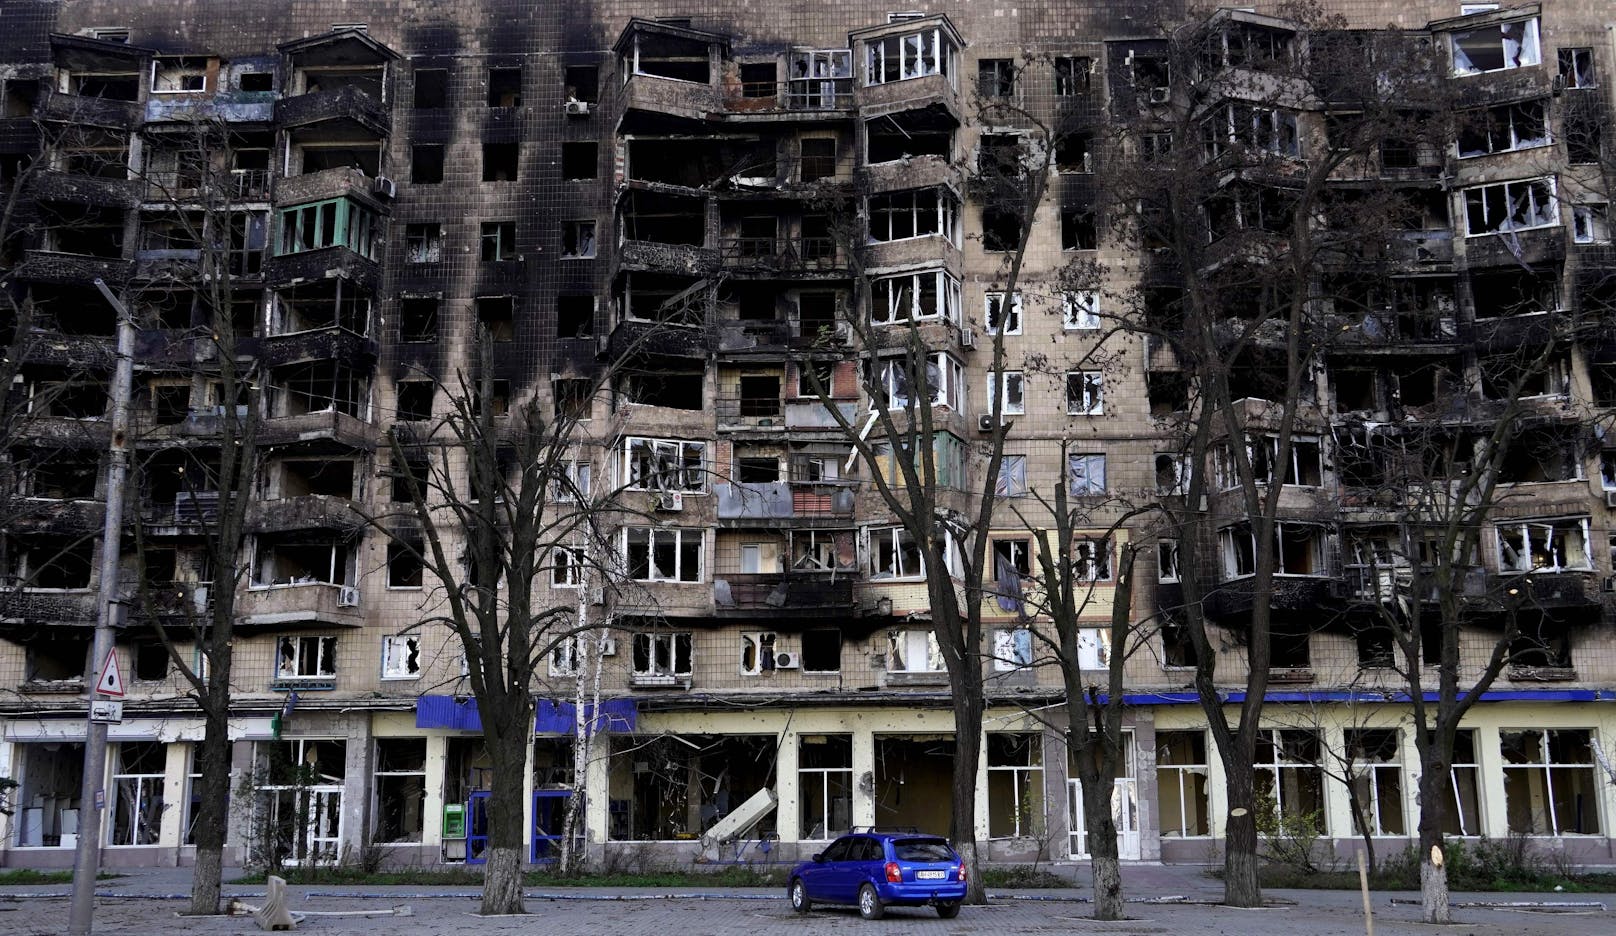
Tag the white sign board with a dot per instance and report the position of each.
(106, 711)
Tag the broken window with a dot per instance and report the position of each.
(504, 88)
(1181, 784)
(306, 657)
(822, 650)
(758, 653)
(825, 784)
(499, 240)
(319, 387)
(1012, 480)
(302, 562)
(501, 161)
(1289, 777)
(1577, 68)
(1086, 473)
(1072, 74)
(661, 656)
(1544, 546)
(1172, 473)
(418, 318)
(1178, 646)
(1496, 47)
(1167, 561)
(566, 570)
(582, 83)
(914, 55)
(138, 774)
(415, 399)
(404, 565)
(894, 553)
(180, 75)
(675, 391)
(151, 662)
(678, 58)
(410, 473)
(1085, 393)
(580, 160)
(400, 791)
(1521, 125)
(1305, 467)
(820, 79)
(1540, 643)
(1091, 558)
(325, 303)
(1012, 649)
(50, 563)
(296, 477)
(905, 136)
(335, 223)
(943, 376)
(1508, 376)
(401, 656)
(63, 475)
(1013, 402)
(1377, 779)
(1015, 785)
(1539, 455)
(996, 78)
(914, 213)
(995, 308)
(497, 316)
(1298, 550)
(1079, 229)
(663, 555)
(818, 158)
(1590, 224)
(1511, 206)
(1550, 782)
(577, 239)
(1074, 152)
(1001, 229)
(431, 88)
(575, 316)
(1262, 129)
(426, 163)
(913, 651)
(928, 294)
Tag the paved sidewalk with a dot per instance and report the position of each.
(135, 904)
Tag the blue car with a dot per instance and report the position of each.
(875, 870)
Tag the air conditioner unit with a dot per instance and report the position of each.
(984, 422)
(384, 186)
(576, 108)
(348, 596)
(968, 338)
(1610, 499)
(1159, 95)
(670, 501)
(787, 660)
(608, 646)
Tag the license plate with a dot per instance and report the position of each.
(930, 875)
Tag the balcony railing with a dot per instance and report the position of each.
(801, 94)
(779, 253)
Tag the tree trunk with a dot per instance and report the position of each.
(1434, 891)
(507, 749)
(967, 753)
(1102, 840)
(1240, 884)
(211, 819)
(1434, 779)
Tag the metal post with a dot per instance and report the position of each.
(92, 796)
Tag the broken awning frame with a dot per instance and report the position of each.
(549, 716)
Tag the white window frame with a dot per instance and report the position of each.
(1501, 125)
(323, 647)
(814, 784)
(577, 475)
(668, 641)
(913, 62)
(1282, 763)
(1090, 401)
(566, 659)
(895, 538)
(1180, 774)
(1092, 557)
(1093, 648)
(1167, 561)
(1529, 533)
(1546, 768)
(1093, 474)
(1230, 537)
(679, 537)
(1011, 651)
(1369, 773)
(1575, 79)
(566, 566)
(1181, 473)
(1026, 785)
(1590, 223)
(396, 652)
(1529, 54)
(1080, 310)
(992, 300)
(376, 790)
(948, 390)
(1273, 130)
(1469, 826)
(148, 789)
(1525, 191)
(945, 210)
(890, 312)
(907, 646)
(1012, 480)
(667, 461)
(1013, 401)
(764, 647)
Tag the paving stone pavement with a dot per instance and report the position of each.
(140, 909)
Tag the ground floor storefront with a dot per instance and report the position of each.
(774, 783)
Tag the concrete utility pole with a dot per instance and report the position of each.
(92, 796)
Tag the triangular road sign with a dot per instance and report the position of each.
(111, 681)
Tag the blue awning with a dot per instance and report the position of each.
(549, 717)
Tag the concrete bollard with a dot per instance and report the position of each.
(273, 915)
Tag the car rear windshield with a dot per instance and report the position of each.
(922, 850)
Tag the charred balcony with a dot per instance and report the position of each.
(338, 88)
(52, 266)
(322, 184)
(670, 69)
(783, 595)
(113, 189)
(1232, 601)
(1543, 246)
(82, 110)
(285, 270)
(750, 504)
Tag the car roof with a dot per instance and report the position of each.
(887, 835)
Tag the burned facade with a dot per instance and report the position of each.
(694, 201)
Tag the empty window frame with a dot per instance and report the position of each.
(1013, 402)
(431, 89)
(665, 464)
(1550, 782)
(1080, 309)
(337, 222)
(924, 295)
(1086, 474)
(580, 160)
(1288, 774)
(138, 773)
(1298, 550)
(661, 656)
(1167, 569)
(418, 318)
(1263, 129)
(582, 83)
(1182, 801)
(400, 784)
(1085, 393)
(1577, 68)
(822, 651)
(1590, 223)
(1502, 129)
(1091, 558)
(1496, 47)
(1377, 780)
(401, 656)
(1072, 74)
(894, 554)
(912, 55)
(656, 554)
(577, 240)
(505, 87)
(825, 782)
(1015, 785)
(180, 75)
(405, 568)
(499, 240)
(1463, 815)
(1080, 229)
(914, 213)
(1511, 206)
(994, 308)
(501, 161)
(913, 651)
(944, 376)
(1305, 466)
(426, 163)
(305, 657)
(1558, 545)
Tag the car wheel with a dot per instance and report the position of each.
(948, 910)
(799, 897)
(870, 907)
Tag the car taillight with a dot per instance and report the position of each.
(894, 874)
(963, 874)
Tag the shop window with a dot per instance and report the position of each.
(1181, 784)
(1551, 784)
(400, 784)
(1015, 785)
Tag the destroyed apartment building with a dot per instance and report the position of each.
(662, 193)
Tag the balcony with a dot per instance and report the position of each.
(798, 100)
(911, 94)
(783, 595)
(226, 106)
(315, 603)
(776, 256)
(310, 512)
(311, 265)
(914, 172)
(652, 256)
(781, 500)
(55, 186)
(52, 515)
(327, 425)
(1536, 247)
(325, 184)
(1291, 593)
(59, 107)
(30, 608)
(660, 339)
(236, 186)
(49, 266)
(672, 97)
(316, 344)
(345, 113)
